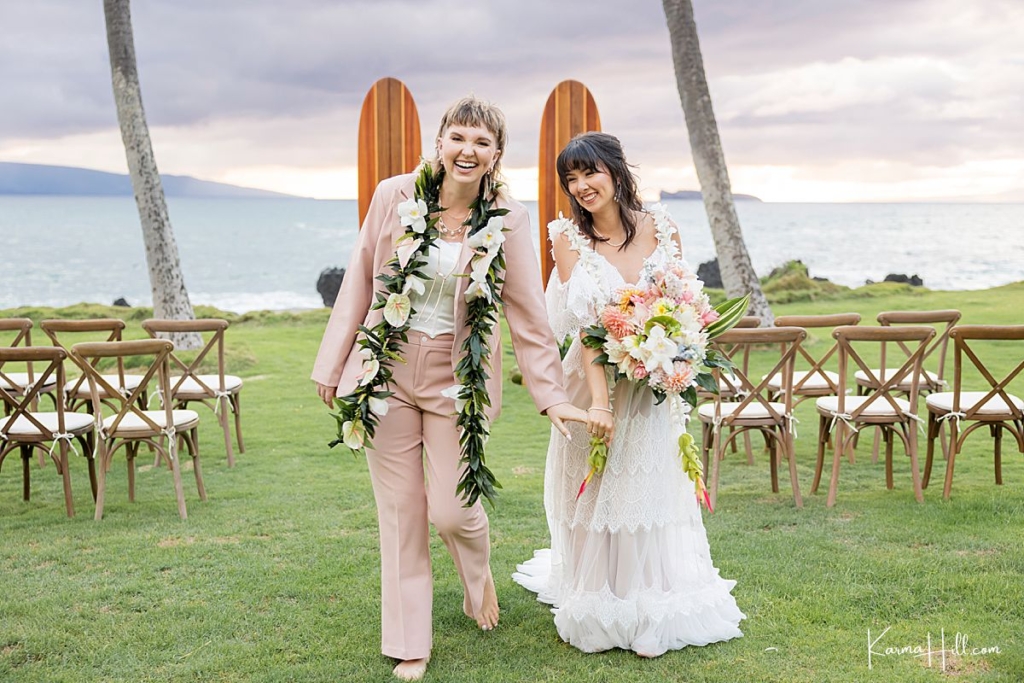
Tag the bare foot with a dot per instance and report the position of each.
(646, 655)
(411, 669)
(488, 617)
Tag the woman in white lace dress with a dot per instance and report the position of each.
(629, 565)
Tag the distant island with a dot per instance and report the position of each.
(40, 179)
(695, 195)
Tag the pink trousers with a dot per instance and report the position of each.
(414, 468)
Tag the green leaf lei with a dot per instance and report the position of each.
(359, 412)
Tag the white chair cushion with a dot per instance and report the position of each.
(753, 410)
(22, 428)
(862, 377)
(191, 387)
(816, 381)
(133, 425)
(20, 379)
(968, 399)
(131, 382)
(830, 404)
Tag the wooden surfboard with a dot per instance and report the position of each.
(570, 110)
(389, 137)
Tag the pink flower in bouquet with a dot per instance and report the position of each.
(628, 296)
(617, 321)
(640, 371)
(641, 312)
(681, 378)
(709, 316)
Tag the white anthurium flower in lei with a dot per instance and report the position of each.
(397, 309)
(353, 433)
(661, 349)
(482, 264)
(413, 214)
(478, 289)
(415, 285)
(453, 392)
(378, 406)
(405, 250)
(371, 366)
(490, 237)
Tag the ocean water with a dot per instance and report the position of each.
(252, 254)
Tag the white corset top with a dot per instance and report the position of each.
(434, 310)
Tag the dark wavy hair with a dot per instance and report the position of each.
(586, 152)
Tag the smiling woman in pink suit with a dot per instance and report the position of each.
(415, 459)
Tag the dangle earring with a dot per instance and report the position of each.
(618, 193)
(489, 184)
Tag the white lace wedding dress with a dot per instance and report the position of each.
(629, 565)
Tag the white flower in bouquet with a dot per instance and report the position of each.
(619, 355)
(688, 318)
(660, 350)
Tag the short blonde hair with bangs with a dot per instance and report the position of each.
(471, 111)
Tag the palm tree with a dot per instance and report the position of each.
(738, 274)
(170, 298)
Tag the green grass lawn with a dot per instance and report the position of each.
(275, 577)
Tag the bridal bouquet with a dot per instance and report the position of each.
(656, 334)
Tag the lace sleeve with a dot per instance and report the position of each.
(573, 304)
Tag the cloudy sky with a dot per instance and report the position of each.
(817, 100)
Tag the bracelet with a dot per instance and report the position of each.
(607, 410)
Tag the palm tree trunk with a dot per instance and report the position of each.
(738, 274)
(170, 298)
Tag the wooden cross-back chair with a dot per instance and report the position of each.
(65, 333)
(132, 425)
(728, 388)
(25, 428)
(993, 406)
(15, 381)
(815, 380)
(880, 407)
(218, 392)
(933, 364)
(754, 407)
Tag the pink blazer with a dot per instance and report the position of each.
(338, 362)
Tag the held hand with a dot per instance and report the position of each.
(326, 394)
(561, 413)
(601, 423)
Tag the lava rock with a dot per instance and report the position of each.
(709, 273)
(329, 283)
(912, 280)
(122, 302)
